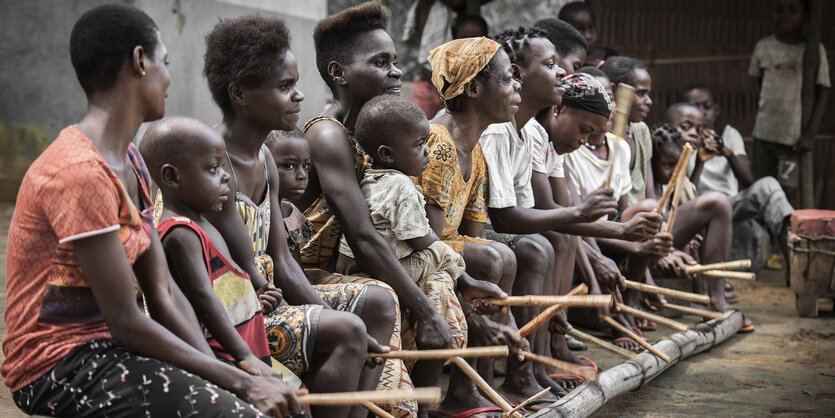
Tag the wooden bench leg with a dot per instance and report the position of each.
(806, 305)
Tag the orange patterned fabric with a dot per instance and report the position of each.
(444, 186)
(69, 193)
(457, 62)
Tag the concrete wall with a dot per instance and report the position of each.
(38, 83)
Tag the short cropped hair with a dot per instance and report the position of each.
(383, 119)
(618, 68)
(104, 38)
(592, 71)
(276, 137)
(245, 50)
(694, 86)
(565, 37)
(172, 140)
(573, 8)
(336, 37)
(464, 19)
(517, 42)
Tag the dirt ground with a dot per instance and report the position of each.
(785, 368)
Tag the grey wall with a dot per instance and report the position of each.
(38, 83)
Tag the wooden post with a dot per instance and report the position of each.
(811, 61)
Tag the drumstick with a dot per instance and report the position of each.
(586, 301)
(376, 410)
(582, 336)
(727, 265)
(585, 372)
(489, 391)
(421, 395)
(722, 274)
(678, 326)
(541, 393)
(646, 288)
(671, 219)
(687, 310)
(681, 166)
(624, 95)
(638, 339)
(549, 313)
(444, 354)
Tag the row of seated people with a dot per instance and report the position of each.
(277, 252)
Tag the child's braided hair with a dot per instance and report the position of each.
(665, 135)
(515, 41)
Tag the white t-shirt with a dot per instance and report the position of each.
(397, 210)
(509, 166)
(545, 159)
(588, 172)
(717, 175)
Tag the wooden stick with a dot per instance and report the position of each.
(671, 218)
(624, 96)
(586, 301)
(727, 265)
(638, 339)
(580, 335)
(488, 391)
(444, 354)
(541, 393)
(687, 310)
(421, 395)
(681, 166)
(586, 372)
(678, 326)
(646, 288)
(723, 274)
(549, 313)
(376, 410)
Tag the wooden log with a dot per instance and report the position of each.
(580, 335)
(680, 168)
(736, 275)
(585, 372)
(624, 96)
(678, 326)
(727, 265)
(631, 375)
(549, 313)
(541, 393)
(376, 410)
(444, 354)
(421, 395)
(585, 301)
(687, 310)
(485, 388)
(638, 339)
(658, 290)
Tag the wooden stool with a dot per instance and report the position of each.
(812, 243)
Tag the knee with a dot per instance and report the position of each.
(341, 332)
(717, 204)
(768, 186)
(508, 259)
(380, 305)
(645, 205)
(534, 251)
(560, 242)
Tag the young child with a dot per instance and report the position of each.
(578, 14)
(780, 136)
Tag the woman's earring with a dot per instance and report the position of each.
(142, 74)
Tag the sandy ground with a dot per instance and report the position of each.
(785, 368)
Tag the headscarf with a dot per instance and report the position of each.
(584, 92)
(457, 62)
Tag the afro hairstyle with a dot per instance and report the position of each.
(104, 38)
(243, 50)
(562, 35)
(618, 68)
(336, 37)
(384, 119)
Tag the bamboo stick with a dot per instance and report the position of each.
(549, 313)
(727, 265)
(724, 274)
(586, 301)
(624, 95)
(376, 410)
(671, 218)
(586, 372)
(541, 393)
(580, 335)
(640, 340)
(488, 391)
(646, 288)
(678, 326)
(687, 310)
(680, 167)
(421, 395)
(444, 354)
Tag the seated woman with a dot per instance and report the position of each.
(80, 239)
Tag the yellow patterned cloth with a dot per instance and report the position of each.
(457, 62)
(444, 186)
